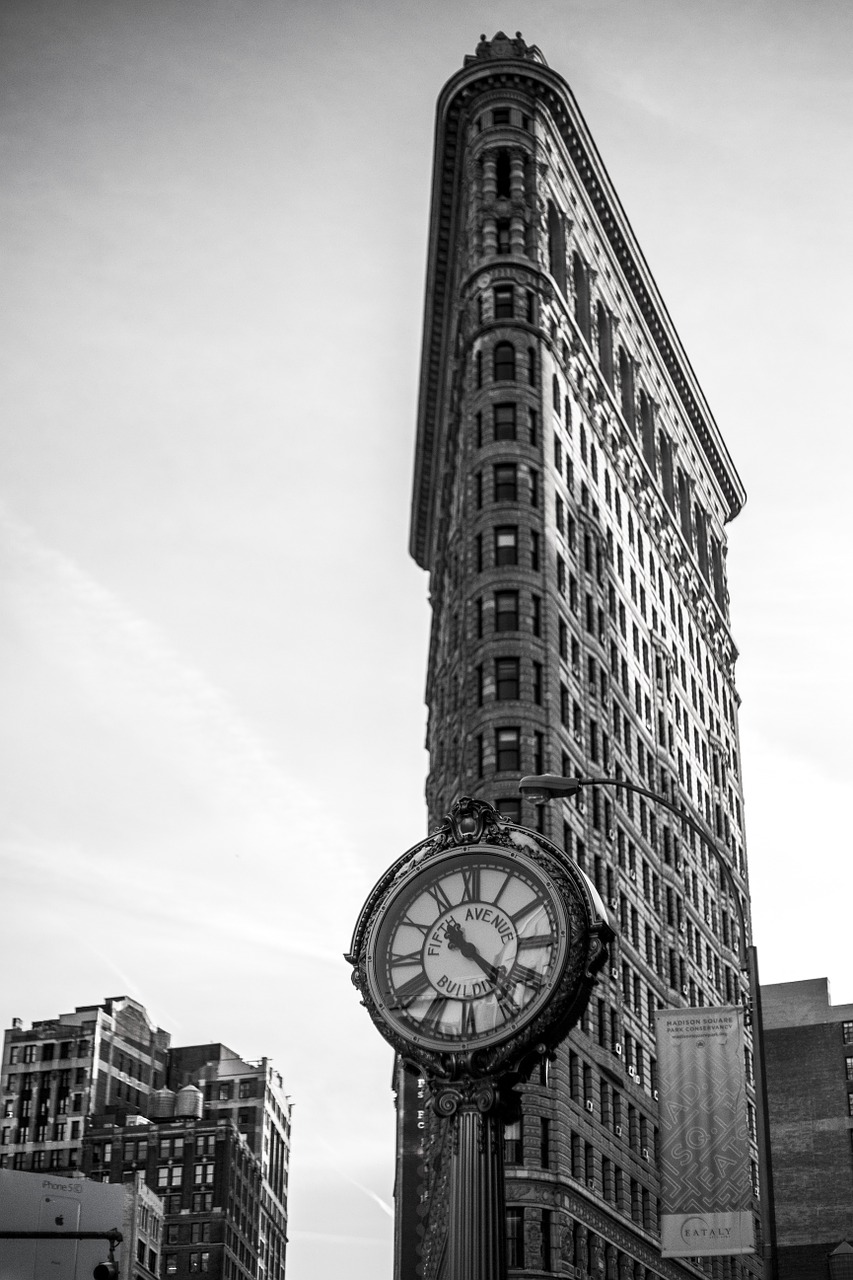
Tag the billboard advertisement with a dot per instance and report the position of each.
(706, 1187)
(41, 1202)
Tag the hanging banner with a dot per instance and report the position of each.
(706, 1188)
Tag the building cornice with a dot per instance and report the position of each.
(536, 79)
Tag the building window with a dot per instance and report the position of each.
(500, 115)
(502, 174)
(647, 427)
(512, 1142)
(503, 230)
(580, 274)
(506, 544)
(508, 750)
(506, 482)
(626, 388)
(546, 1239)
(506, 611)
(605, 343)
(504, 302)
(515, 1237)
(544, 1142)
(202, 1201)
(504, 362)
(848, 1062)
(557, 247)
(506, 679)
(847, 1032)
(504, 421)
(171, 1261)
(510, 808)
(225, 1092)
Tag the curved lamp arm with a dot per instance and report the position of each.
(542, 787)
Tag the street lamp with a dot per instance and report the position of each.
(544, 787)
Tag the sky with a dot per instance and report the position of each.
(212, 638)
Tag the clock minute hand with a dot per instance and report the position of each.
(458, 942)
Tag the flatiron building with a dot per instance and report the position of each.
(571, 496)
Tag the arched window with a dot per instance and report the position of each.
(502, 173)
(504, 362)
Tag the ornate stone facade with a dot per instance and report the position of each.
(570, 500)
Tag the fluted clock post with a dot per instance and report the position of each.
(475, 954)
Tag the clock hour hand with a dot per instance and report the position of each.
(457, 942)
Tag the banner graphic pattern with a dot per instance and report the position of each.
(706, 1188)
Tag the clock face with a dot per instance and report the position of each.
(467, 951)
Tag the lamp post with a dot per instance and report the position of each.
(542, 788)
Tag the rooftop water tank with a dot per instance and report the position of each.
(162, 1104)
(189, 1101)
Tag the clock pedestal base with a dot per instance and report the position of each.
(476, 1238)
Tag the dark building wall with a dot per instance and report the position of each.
(809, 1068)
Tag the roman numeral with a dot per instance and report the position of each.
(525, 911)
(536, 940)
(413, 957)
(469, 1022)
(414, 924)
(530, 977)
(440, 898)
(410, 990)
(434, 1013)
(507, 879)
(506, 1004)
(471, 884)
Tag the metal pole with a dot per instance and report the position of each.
(476, 1245)
(115, 1237)
(476, 1240)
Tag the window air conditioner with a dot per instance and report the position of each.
(589, 1104)
(617, 1049)
(618, 1131)
(590, 1182)
(646, 1155)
